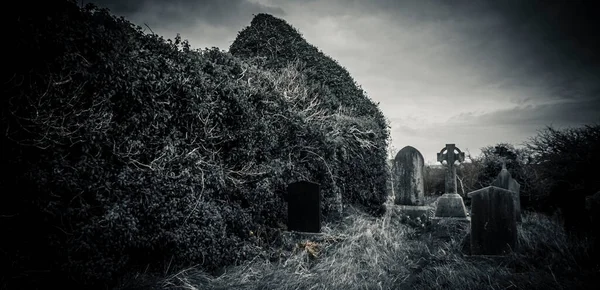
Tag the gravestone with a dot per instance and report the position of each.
(593, 210)
(408, 177)
(592, 206)
(408, 184)
(304, 207)
(505, 180)
(450, 204)
(493, 221)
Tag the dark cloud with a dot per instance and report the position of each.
(561, 114)
(571, 26)
(177, 13)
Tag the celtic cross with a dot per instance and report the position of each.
(451, 155)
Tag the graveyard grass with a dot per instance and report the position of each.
(363, 252)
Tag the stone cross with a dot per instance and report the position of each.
(451, 154)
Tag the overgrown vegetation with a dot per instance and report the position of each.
(123, 150)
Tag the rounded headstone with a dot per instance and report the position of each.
(407, 175)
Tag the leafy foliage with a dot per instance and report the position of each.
(356, 138)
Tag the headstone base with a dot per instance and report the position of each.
(451, 205)
(413, 211)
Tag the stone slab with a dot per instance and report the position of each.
(450, 205)
(493, 221)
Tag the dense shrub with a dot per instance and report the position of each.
(554, 168)
(566, 162)
(123, 150)
(571, 155)
(359, 162)
(434, 179)
(492, 158)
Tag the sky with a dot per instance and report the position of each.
(470, 72)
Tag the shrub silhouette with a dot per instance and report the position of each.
(125, 150)
(566, 162)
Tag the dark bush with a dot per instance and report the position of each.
(571, 155)
(358, 163)
(566, 162)
(434, 179)
(124, 150)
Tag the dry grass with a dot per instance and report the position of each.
(380, 253)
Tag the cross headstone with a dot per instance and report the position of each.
(450, 204)
(451, 154)
(304, 207)
(407, 176)
(505, 180)
(493, 221)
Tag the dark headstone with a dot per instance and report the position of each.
(505, 180)
(407, 175)
(593, 208)
(571, 202)
(493, 221)
(594, 213)
(465, 244)
(304, 207)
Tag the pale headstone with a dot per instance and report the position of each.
(505, 180)
(493, 221)
(408, 177)
(450, 204)
(304, 207)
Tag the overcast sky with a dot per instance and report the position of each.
(473, 73)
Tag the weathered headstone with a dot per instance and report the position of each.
(304, 207)
(505, 180)
(450, 204)
(493, 221)
(408, 183)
